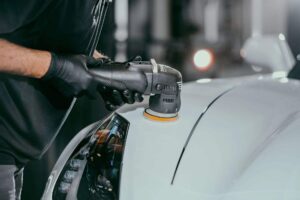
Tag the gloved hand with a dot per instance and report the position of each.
(114, 98)
(106, 60)
(70, 75)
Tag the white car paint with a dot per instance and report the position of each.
(245, 146)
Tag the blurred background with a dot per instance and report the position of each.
(201, 38)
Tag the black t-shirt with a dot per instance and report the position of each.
(30, 110)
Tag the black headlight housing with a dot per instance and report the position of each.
(93, 168)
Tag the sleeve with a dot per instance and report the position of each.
(17, 13)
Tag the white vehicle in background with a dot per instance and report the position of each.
(234, 139)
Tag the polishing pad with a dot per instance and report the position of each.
(160, 117)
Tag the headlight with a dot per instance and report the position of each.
(93, 169)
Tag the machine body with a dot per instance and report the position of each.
(161, 82)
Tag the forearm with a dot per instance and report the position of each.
(23, 61)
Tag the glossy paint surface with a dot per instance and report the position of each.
(244, 145)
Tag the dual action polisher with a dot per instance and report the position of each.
(162, 83)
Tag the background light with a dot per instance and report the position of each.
(281, 36)
(203, 59)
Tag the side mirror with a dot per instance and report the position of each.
(271, 52)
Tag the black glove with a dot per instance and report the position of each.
(113, 97)
(70, 75)
(106, 60)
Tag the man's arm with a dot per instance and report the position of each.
(68, 73)
(23, 61)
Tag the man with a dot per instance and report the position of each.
(44, 64)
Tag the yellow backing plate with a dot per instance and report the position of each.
(160, 119)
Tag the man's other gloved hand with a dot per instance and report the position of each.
(70, 75)
(114, 98)
(96, 63)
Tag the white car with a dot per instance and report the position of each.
(234, 139)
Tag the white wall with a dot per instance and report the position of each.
(273, 14)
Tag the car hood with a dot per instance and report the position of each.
(234, 139)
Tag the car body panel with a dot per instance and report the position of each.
(235, 139)
(244, 146)
(146, 139)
